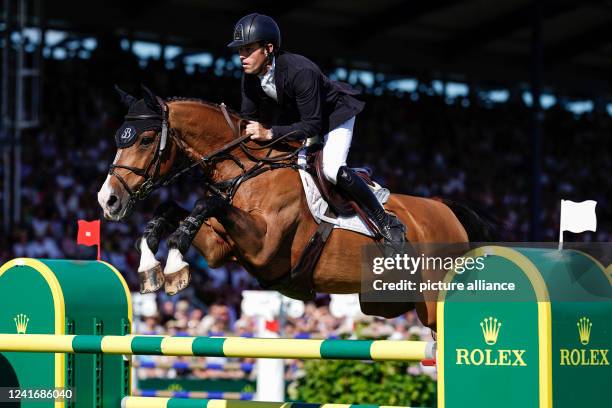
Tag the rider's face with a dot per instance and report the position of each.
(253, 58)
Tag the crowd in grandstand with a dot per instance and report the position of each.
(416, 143)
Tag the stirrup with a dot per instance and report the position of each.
(393, 231)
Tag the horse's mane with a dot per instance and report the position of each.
(201, 101)
(215, 106)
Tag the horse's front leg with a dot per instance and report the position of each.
(207, 241)
(165, 219)
(245, 230)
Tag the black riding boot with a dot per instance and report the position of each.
(389, 226)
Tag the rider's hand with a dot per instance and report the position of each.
(258, 132)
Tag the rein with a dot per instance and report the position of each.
(228, 188)
(225, 188)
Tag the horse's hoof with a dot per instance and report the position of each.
(177, 281)
(151, 280)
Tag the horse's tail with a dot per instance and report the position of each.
(479, 225)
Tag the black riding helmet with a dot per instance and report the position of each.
(256, 27)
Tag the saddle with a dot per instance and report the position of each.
(339, 203)
(298, 283)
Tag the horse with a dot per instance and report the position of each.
(254, 210)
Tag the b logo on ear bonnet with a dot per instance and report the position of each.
(128, 133)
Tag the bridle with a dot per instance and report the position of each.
(151, 181)
(225, 188)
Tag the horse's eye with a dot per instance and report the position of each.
(147, 141)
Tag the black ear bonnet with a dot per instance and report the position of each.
(132, 127)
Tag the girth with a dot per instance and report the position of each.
(298, 283)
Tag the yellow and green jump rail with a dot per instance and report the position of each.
(376, 350)
(157, 402)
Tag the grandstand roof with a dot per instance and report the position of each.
(478, 40)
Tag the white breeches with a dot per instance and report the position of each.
(336, 148)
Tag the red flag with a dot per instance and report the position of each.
(273, 325)
(89, 234)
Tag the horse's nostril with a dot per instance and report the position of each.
(112, 200)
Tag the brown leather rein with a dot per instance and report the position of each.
(225, 188)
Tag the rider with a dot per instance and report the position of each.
(290, 93)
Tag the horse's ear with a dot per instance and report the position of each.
(126, 98)
(150, 98)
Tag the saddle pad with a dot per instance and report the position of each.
(318, 206)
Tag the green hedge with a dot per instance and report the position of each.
(354, 382)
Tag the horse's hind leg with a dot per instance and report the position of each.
(388, 310)
(426, 311)
(165, 219)
(427, 314)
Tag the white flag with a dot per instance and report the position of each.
(578, 217)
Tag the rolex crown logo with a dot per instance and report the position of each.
(21, 321)
(490, 329)
(584, 329)
(175, 387)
